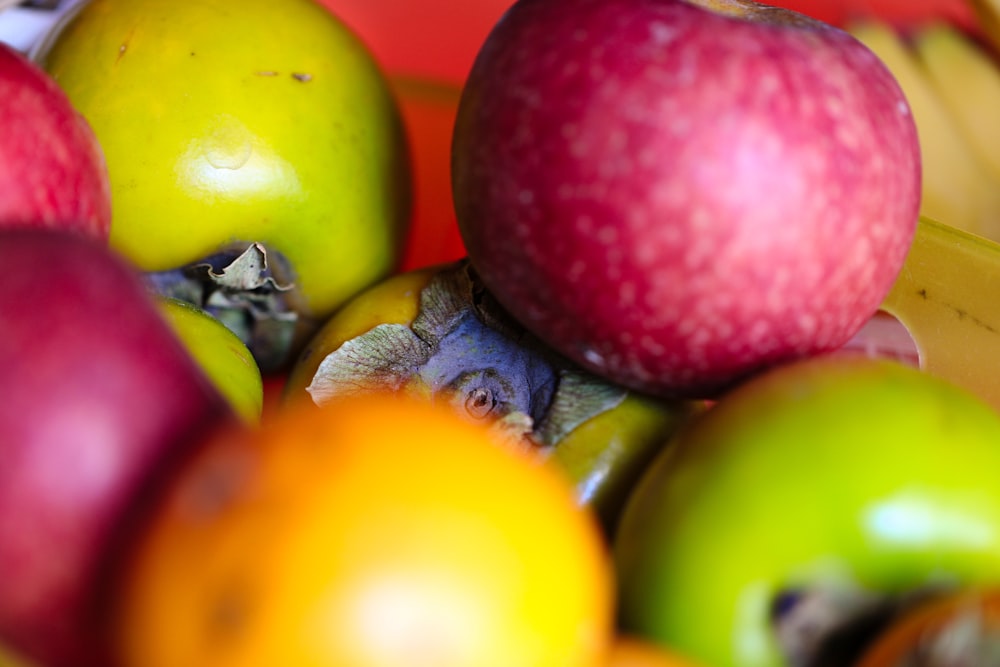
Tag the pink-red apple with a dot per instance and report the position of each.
(675, 193)
(52, 169)
(99, 398)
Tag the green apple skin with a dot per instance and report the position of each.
(830, 472)
(226, 122)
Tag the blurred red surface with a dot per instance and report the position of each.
(427, 49)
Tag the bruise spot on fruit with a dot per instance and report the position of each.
(123, 47)
(961, 313)
(266, 72)
(228, 614)
(300, 76)
(221, 480)
(471, 355)
(228, 146)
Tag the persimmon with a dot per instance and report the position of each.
(374, 532)
(958, 627)
(628, 651)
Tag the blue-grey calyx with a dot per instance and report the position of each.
(467, 351)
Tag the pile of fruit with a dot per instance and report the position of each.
(618, 333)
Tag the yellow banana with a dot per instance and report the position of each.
(957, 188)
(948, 298)
(967, 79)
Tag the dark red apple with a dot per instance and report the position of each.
(675, 193)
(52, 169)
(99, 399)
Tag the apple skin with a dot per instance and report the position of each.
(100, 398)
(676, 197)
(52, 169)
(825, 474)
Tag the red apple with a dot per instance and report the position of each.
(52, 170)
(675, 193)
(99, 398)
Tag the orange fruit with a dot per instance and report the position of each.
(375, 532)
(635, 652)
(958, 627)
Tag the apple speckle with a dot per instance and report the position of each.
(697, 167)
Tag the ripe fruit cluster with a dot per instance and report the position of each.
(627, 429)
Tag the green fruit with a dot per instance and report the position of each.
(231, 122)
(221, 354)
(606, 455)
(839, 484)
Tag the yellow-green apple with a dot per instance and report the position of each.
(220, 353)
(52, 170)
(807, 507)
(676, 193)
(231, 125)
(100, 398)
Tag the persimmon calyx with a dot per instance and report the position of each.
(463, 349)
(245, 289)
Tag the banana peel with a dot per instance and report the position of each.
(957, 189)
(988, 17)
(946, 298)
(967, 80)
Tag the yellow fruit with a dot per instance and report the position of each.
(635, 652)
(226, 122)
(945, 298)
(221, 354)
(374, 532)
(395, 300)
(967, 80)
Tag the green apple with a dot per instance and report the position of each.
(227, 123)
(223, 357)
(813, 497)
